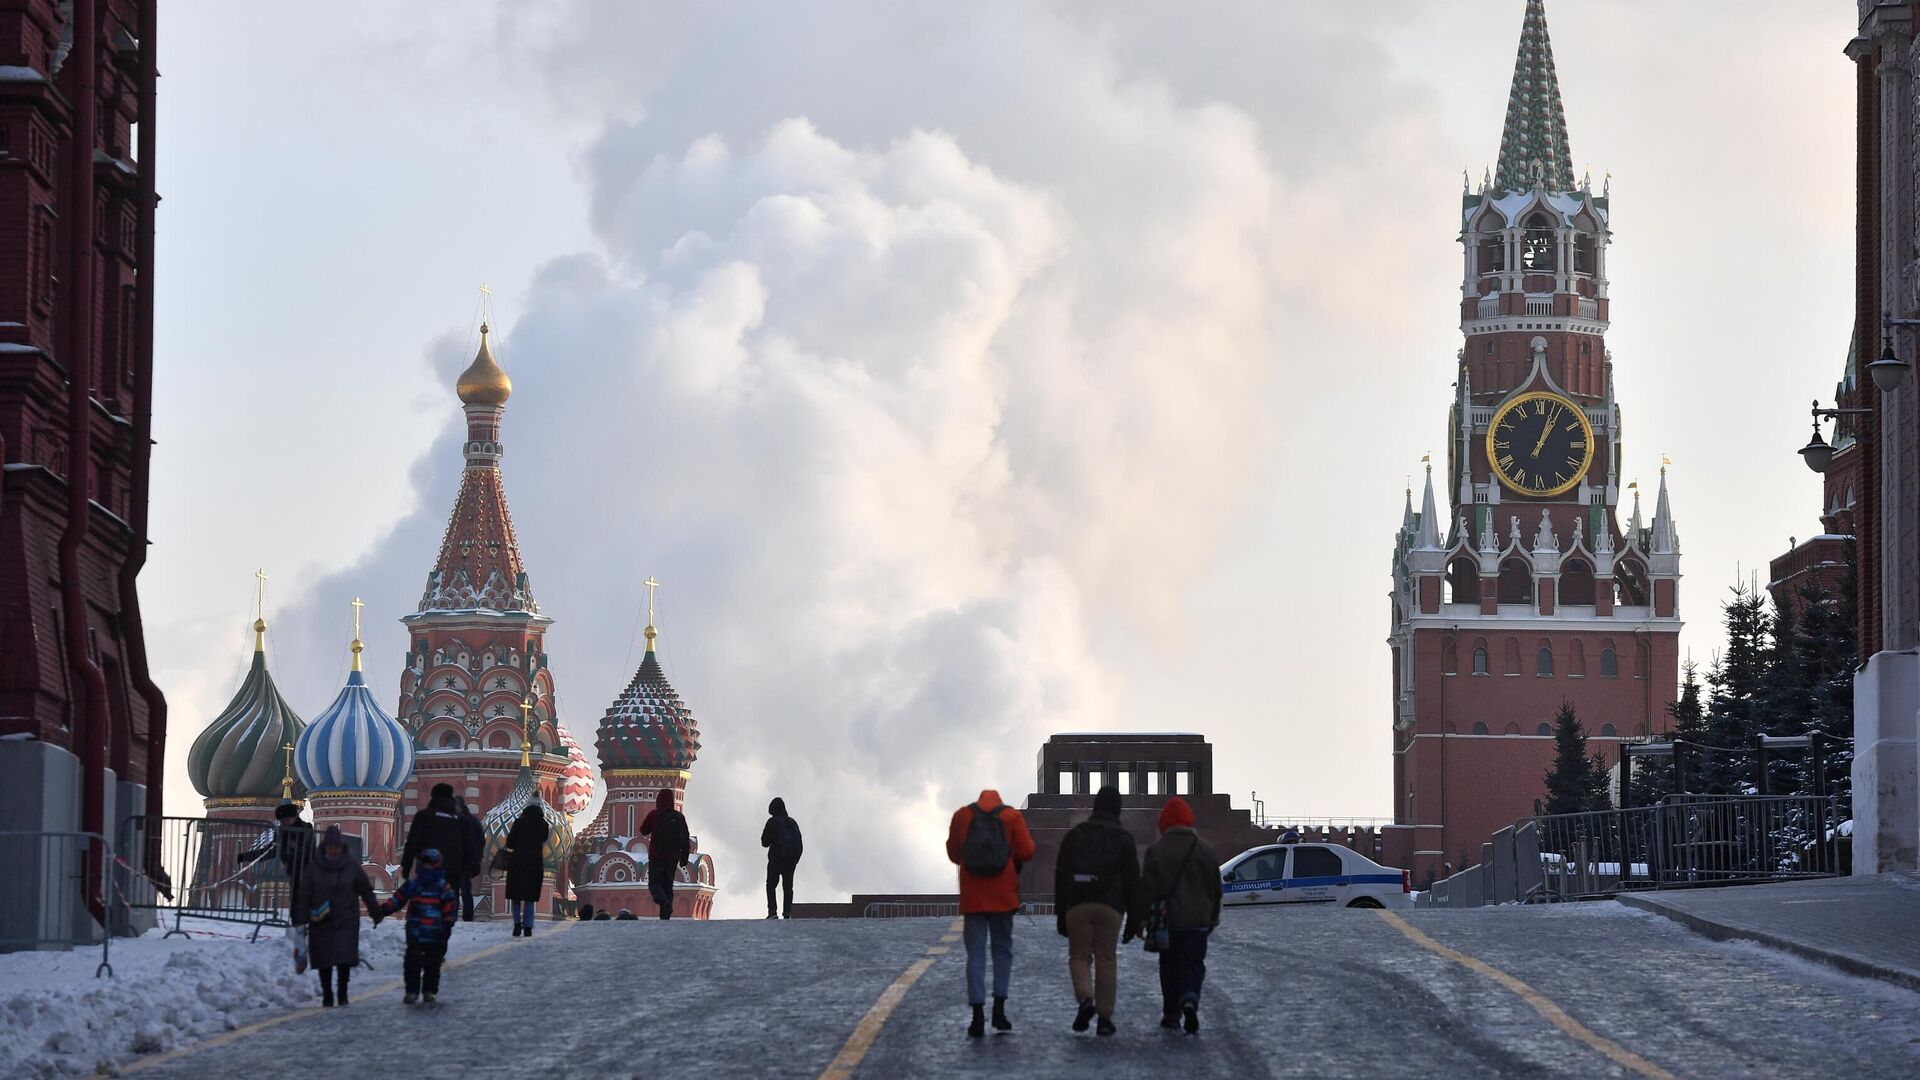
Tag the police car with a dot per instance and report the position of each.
(1312, 874)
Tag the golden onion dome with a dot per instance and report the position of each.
(483, 383)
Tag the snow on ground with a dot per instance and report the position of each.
(57, 1019)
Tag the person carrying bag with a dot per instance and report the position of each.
(1180, 893)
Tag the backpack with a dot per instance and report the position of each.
(986, 851)
(670, 835)
(1092, 859)
(786, 842)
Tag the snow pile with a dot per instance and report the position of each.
(57, 1019)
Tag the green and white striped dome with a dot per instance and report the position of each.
(239, 755)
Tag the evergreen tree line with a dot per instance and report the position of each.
(1783, 672)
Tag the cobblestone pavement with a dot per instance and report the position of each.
(1289, 993)
(1864, 925)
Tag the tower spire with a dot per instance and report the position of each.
(1429, 535)
(1533, 144)
(1661, 542)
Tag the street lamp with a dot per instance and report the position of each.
(1818, 453)
(1890, 372)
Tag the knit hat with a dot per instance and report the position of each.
(1106, 803)
(333, 836)
(430, 857)
(1175, 814)
(286, 811)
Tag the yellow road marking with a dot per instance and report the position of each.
(1543, 1005)
(858, 1043)
(226, 1037)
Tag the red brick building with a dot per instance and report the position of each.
(1822, 559)
(1531, 592)
(76, 377)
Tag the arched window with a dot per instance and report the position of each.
(1544, 729)
(1642, 660)
(1453, 728)
(1513, 728)
(1493, 254)
(1576, 582)
(1516, 582)
(1480, 659)
(1630, 584)
(1608, 731)
(499, 740)
(1609, 662)
(450, 740)
(1537, 245)
(1463, 581)
(1513, 656)
(1479, 728)
(1577, 660)
(1543, 660)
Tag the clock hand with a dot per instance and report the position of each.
(1544, 432)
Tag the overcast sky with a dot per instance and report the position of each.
(966, 372)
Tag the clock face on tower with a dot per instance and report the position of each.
(1540, 444)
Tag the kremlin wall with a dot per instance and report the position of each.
(477, 711)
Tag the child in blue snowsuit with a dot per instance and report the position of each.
(431, 904)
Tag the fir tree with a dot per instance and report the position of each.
(1653, 776)
(1578, 781)
(1738, 708)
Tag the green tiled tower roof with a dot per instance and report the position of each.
(1536, 127)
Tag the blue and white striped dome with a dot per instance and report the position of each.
(354, 745)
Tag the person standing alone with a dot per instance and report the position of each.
(781, 838)
(988, 840)
(526, 864)
(1095, 884)
(669, 846)
(1181, 877)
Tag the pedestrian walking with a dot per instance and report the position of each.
(329, 899)
(293, 846)
(988, 840)
(1096, 880)
(781, 837)
(526, 865)
(669, 846)
(476, 852)
(431, 904)
(438, 826)
(1180, 906)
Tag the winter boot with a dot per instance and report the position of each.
(1190, 1012)
(979, 1025)
(428, 998)
(1105, 1028)
(527, 930)
(410, 998)
(344, 973)
(1169, 1017)
(1085, 1016)
(1000, 1021)
(326, 988)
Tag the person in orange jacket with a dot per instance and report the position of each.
(988, 840)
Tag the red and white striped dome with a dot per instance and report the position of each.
(576, 783)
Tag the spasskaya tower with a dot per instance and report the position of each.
(1532, 591)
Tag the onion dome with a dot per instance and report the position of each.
(241, 754)
(576, 783)
(647, 726)
(483, 383)
(498, 822)
(354, 745)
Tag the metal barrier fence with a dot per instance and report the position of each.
(43, 892)
(226, 870)
(1687, 841)
(924, 909)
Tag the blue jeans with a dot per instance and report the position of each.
(1183, 965)
(979, 929)
(522, 912)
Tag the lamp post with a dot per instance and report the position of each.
(1818, 453)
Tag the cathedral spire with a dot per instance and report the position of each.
(1533, 145)
(1429, 535)
(1661, 542)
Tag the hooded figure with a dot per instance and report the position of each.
(327, 902)
(526, 866)
(781, 837)
(988, 840)
(438, 826)
(1095, 881)
(669, 847)
(1182, 873)
(431, 905)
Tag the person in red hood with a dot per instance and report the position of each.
(988, 840)
(1181, 871)
(669, 846)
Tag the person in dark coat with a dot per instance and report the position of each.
(669, 847)
(526, 864)
(1181, 871)
(293, 846)
(326, 903)
(438, 826)
(781, 838)
(476, 848)
(1095, 882)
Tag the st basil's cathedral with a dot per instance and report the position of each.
(477, 711)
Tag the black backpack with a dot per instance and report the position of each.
(670, 835)
(1092, 861)
(786, 842)
(986, 852)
